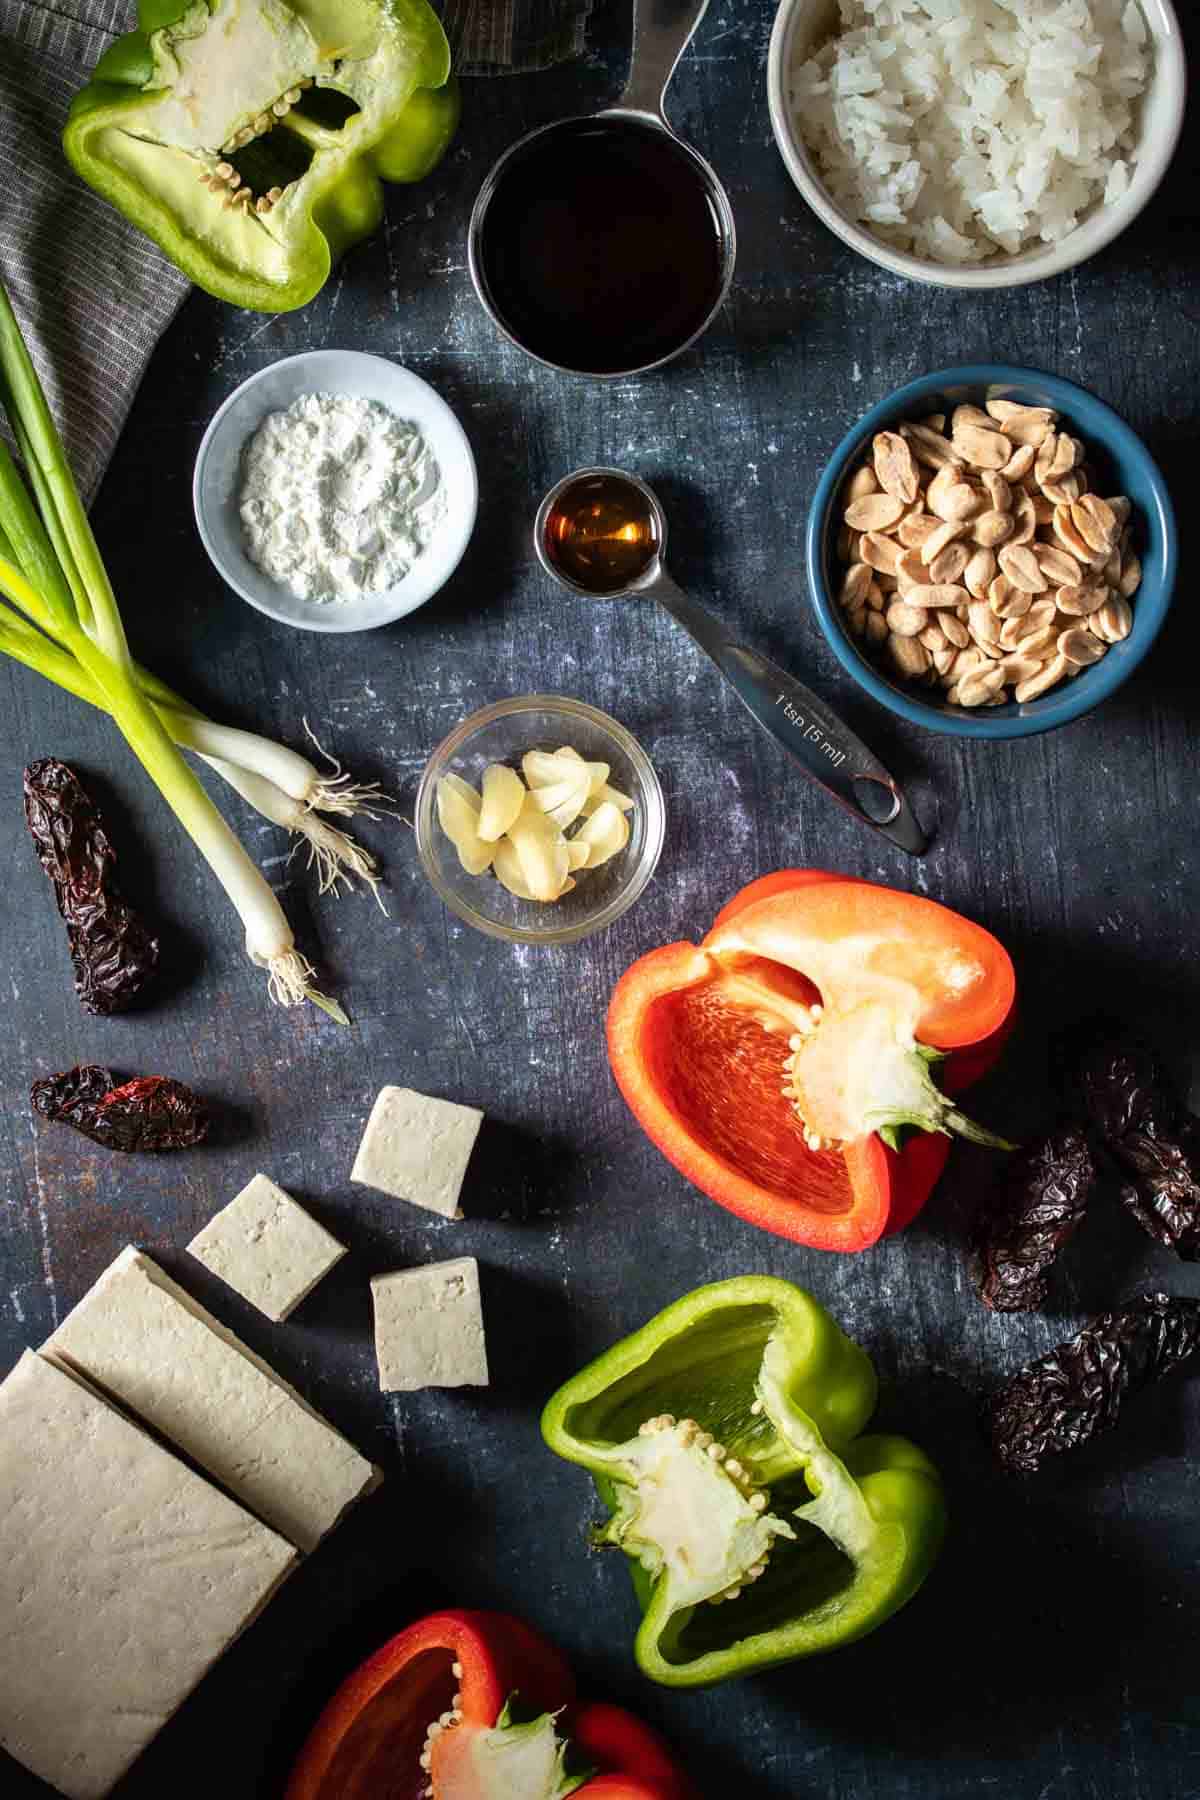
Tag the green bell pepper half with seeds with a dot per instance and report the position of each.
(760, 1523)
(250, 138)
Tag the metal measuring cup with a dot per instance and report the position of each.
(662, 30)
(826, 749)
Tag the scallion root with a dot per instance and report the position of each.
(337, 858)
(339, 794)
(333, 853)
(290, 982)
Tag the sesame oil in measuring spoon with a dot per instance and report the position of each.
(602, 533)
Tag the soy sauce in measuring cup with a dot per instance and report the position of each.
(603, 247)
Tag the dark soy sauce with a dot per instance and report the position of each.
(601, 249)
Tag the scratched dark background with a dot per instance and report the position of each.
(1052, 1656)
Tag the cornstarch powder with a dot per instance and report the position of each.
(338, 497)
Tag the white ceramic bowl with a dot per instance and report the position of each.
(218, 474)
(802, 26)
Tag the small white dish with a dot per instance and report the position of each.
(217, 479)
(802, 26)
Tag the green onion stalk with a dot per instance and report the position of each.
(62, 620)
(335, 855)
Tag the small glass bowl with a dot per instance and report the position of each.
(503, 733)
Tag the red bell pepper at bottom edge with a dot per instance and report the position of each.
(631, 1761)
(375, 1728)
(736, 1143)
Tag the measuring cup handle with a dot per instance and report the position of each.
(802, 724)
(662, 30)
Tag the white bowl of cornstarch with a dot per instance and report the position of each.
(977, 143)
(335, 491)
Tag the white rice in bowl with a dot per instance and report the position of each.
(958, 130)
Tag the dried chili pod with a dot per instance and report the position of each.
(1164, 1196)
(1138, 1114)
(114, 951)
(1038, 1203)
(1078, 1390)
(151, 1112)
(1114, 1080)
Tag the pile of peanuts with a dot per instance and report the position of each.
(980, 560)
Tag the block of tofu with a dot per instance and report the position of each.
(429, 1327)
(267, 1248)
(139, 1338)
(417, 1148)
(123, 1577)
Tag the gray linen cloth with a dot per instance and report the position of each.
(92, 294)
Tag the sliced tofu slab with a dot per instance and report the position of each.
(123, 1576)
(429, 1327)
(267, 1248)
(140, 1338)
(417, 1147)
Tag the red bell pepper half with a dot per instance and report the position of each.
(793, 1118)
(433, 1714)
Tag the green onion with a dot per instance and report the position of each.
(334, 854)
(53, 576)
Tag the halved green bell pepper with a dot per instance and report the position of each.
(249, 138)
(724, 1437)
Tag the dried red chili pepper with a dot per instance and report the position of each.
(1165, 1197)
(1037, 1205)
(1078, 1390)
(1140, 1118)
(151, 1112)
(114, 951)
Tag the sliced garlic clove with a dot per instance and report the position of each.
(570, 810)
(605, 833)
(607, 796)
(503, 798)
(577, 854)
(564, 802)
(507, 868)
(599, 772)
(542, 769)
(475, 858)
(457, 785)
(551, 794)
(541, 851)
(458, 814)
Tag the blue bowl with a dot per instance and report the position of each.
(1134, 473)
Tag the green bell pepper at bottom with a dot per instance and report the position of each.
(250, 138)
(725, 1438)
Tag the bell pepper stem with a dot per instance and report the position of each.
(957, 1122)
(924, 1107)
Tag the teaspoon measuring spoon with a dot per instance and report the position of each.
(602, 533)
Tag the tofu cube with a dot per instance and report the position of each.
(267, 1248)
(429, 1327)
(417, 1148)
